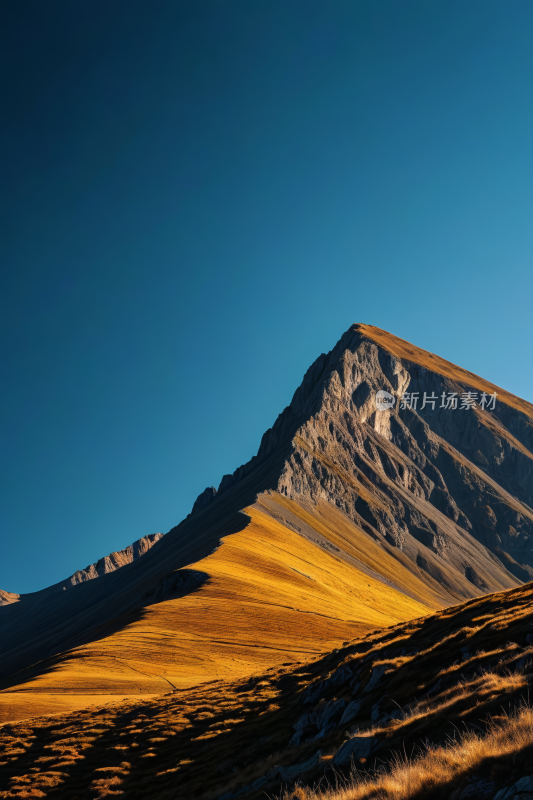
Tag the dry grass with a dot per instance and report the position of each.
(204, 741)
(465, 696)
(438, 770)
(343, 533)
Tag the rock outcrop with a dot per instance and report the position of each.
(203, 499)
(111, 562)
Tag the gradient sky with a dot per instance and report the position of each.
(198, 198)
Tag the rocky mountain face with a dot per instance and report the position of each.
(443, 478)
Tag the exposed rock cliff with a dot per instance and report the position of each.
(450, 488)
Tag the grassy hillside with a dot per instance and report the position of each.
(265, 596)
(415, 684)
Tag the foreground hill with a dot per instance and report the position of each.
(350, 518)
(396, 691)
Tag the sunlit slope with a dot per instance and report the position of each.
(45, 623)
(353, 544)
(270, 597)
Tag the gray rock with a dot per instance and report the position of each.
(340, 676)
(336, 404)
(109, 563)
(329, 710)
(305, 721)
(316, 690)
(354, 748)
(296, 739)
(329, 726)
(521, 790)
(351, 711)
(329, 441)
(319, 718)
(313, 693)
(377, 675)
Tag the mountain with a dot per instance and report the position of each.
(351, 518)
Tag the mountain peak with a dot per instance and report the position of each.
(438, 484)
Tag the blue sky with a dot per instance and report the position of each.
(197, 199)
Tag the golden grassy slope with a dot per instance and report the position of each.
(271, 597)
(207, 740)
(350, 539)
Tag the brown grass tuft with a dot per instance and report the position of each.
(507, 743)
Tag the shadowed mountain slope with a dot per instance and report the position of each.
(101, 567)
(355, 519)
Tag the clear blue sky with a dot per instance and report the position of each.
(198, 198)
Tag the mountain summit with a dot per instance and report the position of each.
(442, 479)
(354, 515)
